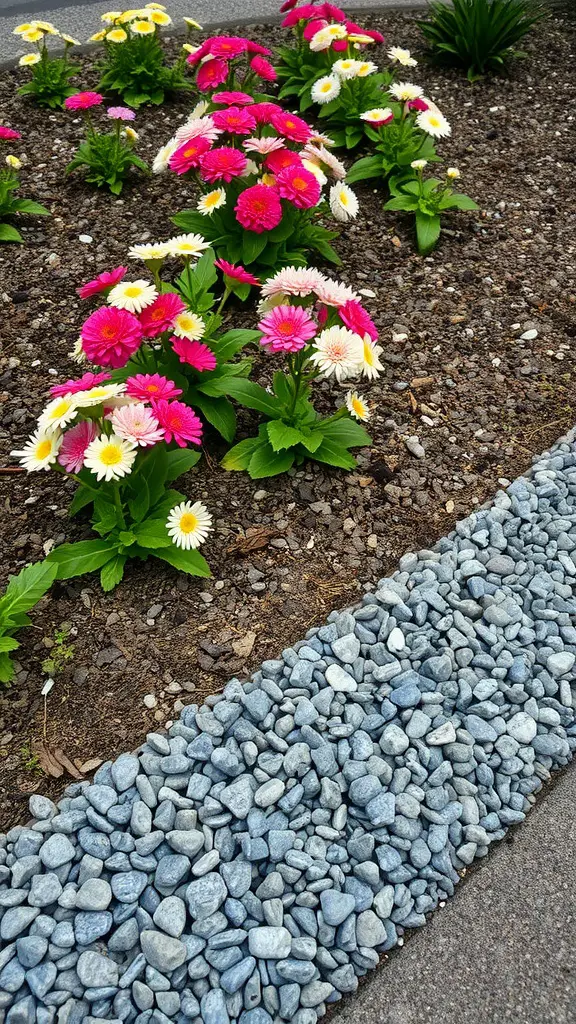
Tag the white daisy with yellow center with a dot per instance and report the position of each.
(149, 251)
(21, 29)
(70, 40)
(33, 36)
(40, 451)
(325, 89)
(143, 28)
(343, 202)
(162, 158)
(187, 245)
(46, 26)
(323, 39)
(366, 67)
(404, 91)
(132, 295)
(98, 36)
(211, 201)
(357, 406)
(188, 524)
(359, 38)
(117, 35)
(189, 325)
(13, 162)
(419, 165)
(110, 458)
(376, 115)
(110, 17)
(346, 68)
(28, 59)
(98, 395)
(77, 355)
(433, 123)
(192, 24)
(58, 414)
(315, 170)
(129, 133)
(453, 173)
(160, 18)
(401, 56)
(370, 363)
(338, 352)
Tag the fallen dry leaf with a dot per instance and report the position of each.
(47, 762)
(244, 646)
(449, 505)
(413, 402)
(421, 382)
(88, 766)
(255, 537)
(67, 764)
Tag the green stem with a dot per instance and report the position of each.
(224, 300)
(118, 504)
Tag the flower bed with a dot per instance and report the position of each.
(463, 400)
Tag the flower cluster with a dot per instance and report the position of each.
(108, 155)
(50, 83)
(262, 170)
(219, 59)
(10, 183)
(134, 64)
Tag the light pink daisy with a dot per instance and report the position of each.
(121, 113)
(71, 387)
(263, 146)
(74, 445)
(179, 422)
(334, 293)
(286, 329)
(149, 386)
(197, 128)
(194, 353)
(136, 423)
(299, 281)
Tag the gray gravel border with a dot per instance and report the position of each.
(254, 863)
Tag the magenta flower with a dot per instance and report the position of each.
(228, 47)
(291, 126)
(149, 386)
(222, 164)
(236, 273)
(418, 104)
(8, 134)
(107, 279)
(188, 155)
(281, 158)
(194, 353)
(313, 27)
(71, 387)
(74, 445)
(110, 336)
(234, 96)
(121, 113)
(286, 329)
(211, 74)
(258, 209)
(263, 69)
(160, 315)
(287, 6)
(178, 421)
(83, 100)
(299, 186)
(235, 120)
(355, 317)
(263, 111)
(258, 48)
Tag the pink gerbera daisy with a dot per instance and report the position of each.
(237, 273)
(107, 279)
(264, 110)
(110, 336)
(354, 316)
(194, 353)
(339, 45)
(197, 127)
(418, 104)
(211, 74)
(303, 13)
(148, 386)
(188, 155)
(161, 314)
(287, 6)
(178, 421)
(263, 146)
(74, 445)
(263, 68)
(121, 113)
(291, 126)
(8, 133)
(279, 159)
(240, 99)
(83, 100)
(258, 209)
(137, 424)
(313, 27)
(299, 186)
(235, 120)
(228, 47)
(222, 164)
(71, 387)
(258, 48)
(286, 329)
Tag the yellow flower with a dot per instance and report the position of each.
(211, 201)
(160, 18)
(117, 35)
(452, 172)
(189, 48)
(268, 179)
(14, 162)
(33, 36)
(28, 59)
(142, 28)
(357, 37)
(70, 40)
(130, 134)
(357, 406)
(46, 26)
(192, 24)
(129, 15)
(21, 29)
(110, 17)
(98, 36)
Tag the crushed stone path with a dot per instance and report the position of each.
(254, 863)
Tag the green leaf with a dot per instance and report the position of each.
(152, 533)
(8, 643)
(252, 245)
(232, 342)
(312, 441)
(219, 412)
(106, 515)
(191, 220)
(29, 206)
(250, 394)
(458, 201)
(191, 562)
(366, 167)
(9, 234)
(427, 232)
(238, 458)
(283, 388)
(80, 558)
(406, 203)
(346, 432)
(282, 436)
(25, 590)
(112, 572)
(266, 462)
(6, 668)
(178, 462)
(81, 498)
(334, 454)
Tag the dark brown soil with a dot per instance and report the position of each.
(481, 400)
